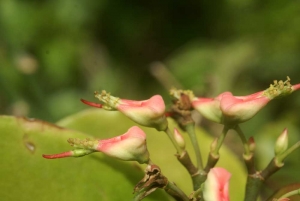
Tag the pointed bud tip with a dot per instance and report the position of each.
(296, 87)
(213, 145)
(251, 144)
(61, 155)
(179, 139)
(281, 144)
(98, 105)
(47, 156)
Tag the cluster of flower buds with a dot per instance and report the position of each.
(226, 109)
(232, 110)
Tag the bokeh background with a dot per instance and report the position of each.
(52, 53)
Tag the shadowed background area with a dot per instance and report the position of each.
(52, 53)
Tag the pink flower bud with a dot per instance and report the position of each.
(150, 113)
(229, 109)
(282, 142)
(216, 185)
(130, 146)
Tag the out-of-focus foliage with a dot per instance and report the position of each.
(52, 53)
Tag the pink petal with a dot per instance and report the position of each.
(217, 184)
(296, 87)
(241, 109)
(130, 146)
(209, 108)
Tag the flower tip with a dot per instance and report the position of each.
(296, 87)
(98, 105)
(251, 144)
(179, 139)
(47, 156)
(54, 156)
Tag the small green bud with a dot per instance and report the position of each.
(281, 144)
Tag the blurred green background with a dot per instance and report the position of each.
(52, 53)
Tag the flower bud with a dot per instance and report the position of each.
(179, 139)
(229, 109)
(130, 146)
(150, 113)
(281, 144)
(251, 144)
(214, 145)
(216, 185)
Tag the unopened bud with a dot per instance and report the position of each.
(251, 144)
(213, 145)
(179, 139)
(281, 144)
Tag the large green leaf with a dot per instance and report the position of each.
(25, 175)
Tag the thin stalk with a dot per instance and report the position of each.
(190, 129)
(282, 156)
(244, 140)
(289, 194)
(220, 141)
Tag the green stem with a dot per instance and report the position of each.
(282, 156)
(289, 194)
(190, 129)
(254, 183)
(244, 140)
(215, 152)
(277, 163)
(171, 136)
(175, 192)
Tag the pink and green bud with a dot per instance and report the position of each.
(179, 139)
(216, 185)
(229, 109)
(150, 113)
(130, 146)
(282, 142)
